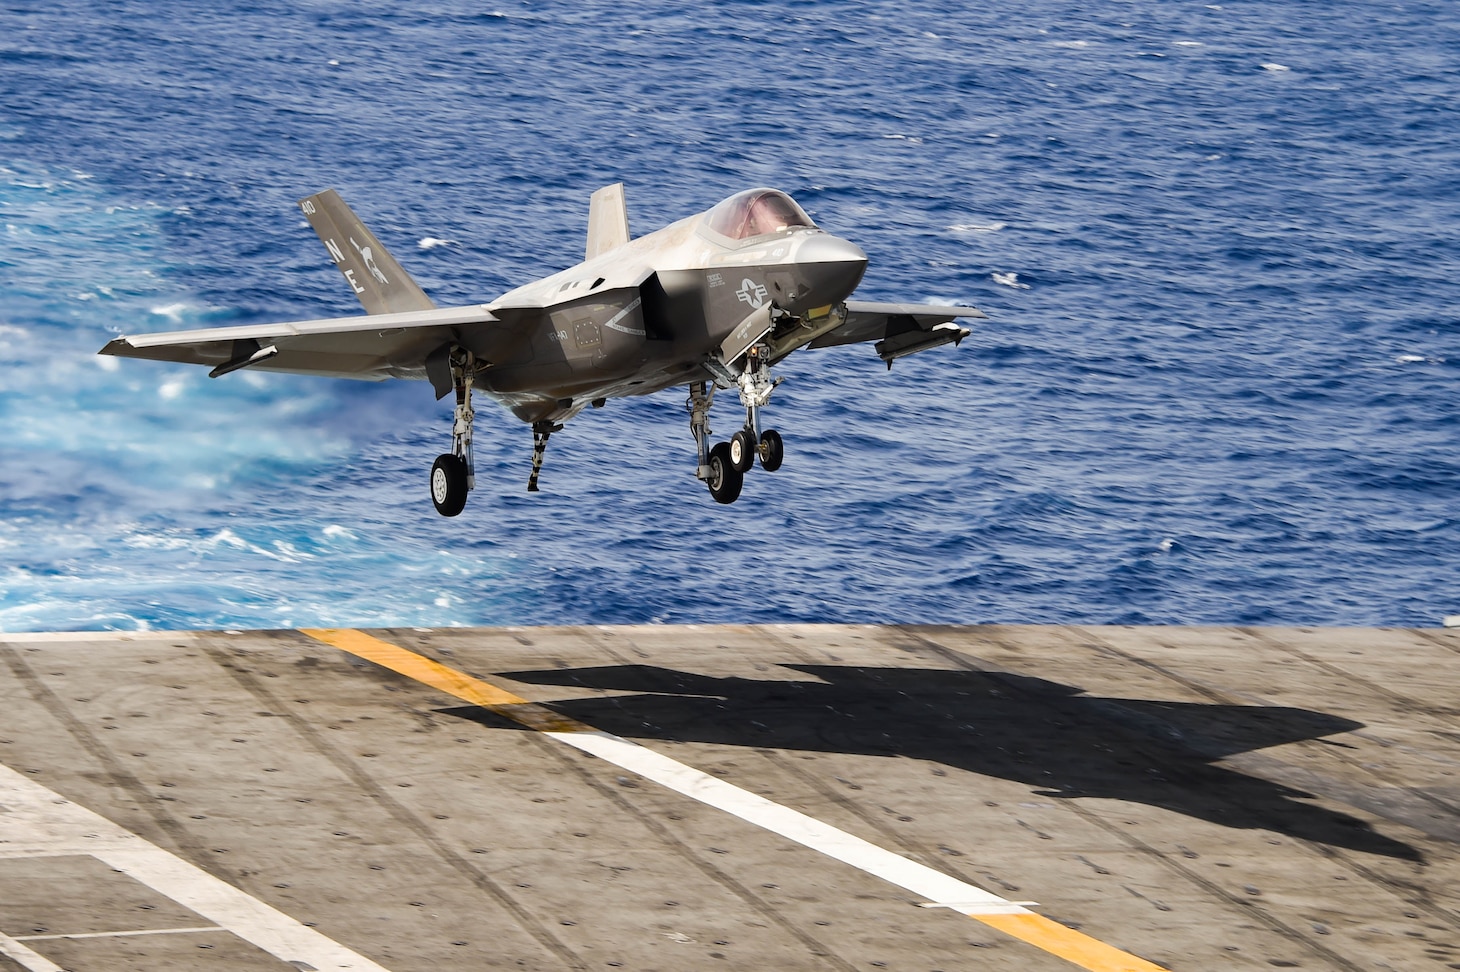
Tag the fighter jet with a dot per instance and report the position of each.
(712, 302)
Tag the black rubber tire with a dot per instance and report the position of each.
(742, 450)
(448, 484)
(725, 480)
(772, 450)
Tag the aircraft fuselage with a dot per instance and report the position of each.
(641, 317)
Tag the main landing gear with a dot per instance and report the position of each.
(723, 467)
(451, 474)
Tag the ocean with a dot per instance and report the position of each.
(1217, 243)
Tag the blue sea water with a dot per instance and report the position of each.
(1218, 244)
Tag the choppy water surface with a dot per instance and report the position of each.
(1218, 244)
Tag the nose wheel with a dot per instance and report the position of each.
(742, 450)
(771, 451)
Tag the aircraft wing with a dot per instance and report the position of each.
(899, 329)
(371, 347)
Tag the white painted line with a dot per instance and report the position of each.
(791, 824)
(10, 948)
(975, 908)
(121, 934)
(41, 822)
(45, 637)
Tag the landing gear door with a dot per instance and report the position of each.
(756, 325)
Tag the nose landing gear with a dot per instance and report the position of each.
(723, 467)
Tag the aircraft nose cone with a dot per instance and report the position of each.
(825, 248)
(829, 269)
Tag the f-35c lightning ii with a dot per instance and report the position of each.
(713, 301)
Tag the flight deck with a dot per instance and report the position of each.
(818, 797)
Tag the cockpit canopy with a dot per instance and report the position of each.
(756, 212)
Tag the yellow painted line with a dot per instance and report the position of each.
(1010, 917)
(1068, 944)
(447, 680)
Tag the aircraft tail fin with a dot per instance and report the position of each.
(608, 220)
(378, 280)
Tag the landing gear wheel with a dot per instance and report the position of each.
(725, 480)
(448, 484)
(742, 451)
(772, 450)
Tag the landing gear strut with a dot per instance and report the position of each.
(452, 476)
(756, 385)
(540, 433)
(723, 467)
(715, 466)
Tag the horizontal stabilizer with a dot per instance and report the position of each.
(378, 280)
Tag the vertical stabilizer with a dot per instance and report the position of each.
(378, 280)
(608, 220)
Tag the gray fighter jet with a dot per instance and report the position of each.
(712, 302)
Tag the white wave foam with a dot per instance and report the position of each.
(178, 312)
(431, 242)
(226, 537)
(152, 541)
(1276, 68)
(283, 551)
(993, 227)
(1009, 280)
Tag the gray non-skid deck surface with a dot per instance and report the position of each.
(1205, 798)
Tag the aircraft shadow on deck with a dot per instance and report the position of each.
(1052, 737)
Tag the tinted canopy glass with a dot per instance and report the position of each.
(756, 212)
